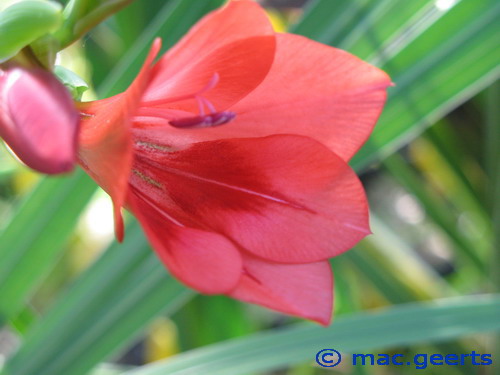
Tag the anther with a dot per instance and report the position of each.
(204, 121)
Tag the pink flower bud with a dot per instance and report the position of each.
(38, 119)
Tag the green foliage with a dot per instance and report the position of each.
(24, 22)
(81, 15)
(75, 84)
(406, 324)
(439, 59)
(35, 236)
(93, 319)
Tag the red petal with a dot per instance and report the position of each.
(305, 290)
(316, 91)
(236, 21)
(105, 140)
(205, 261)
(240, 65)
(284, 198)
(312, 90)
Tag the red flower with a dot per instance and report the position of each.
(254, 208)
(38, 119)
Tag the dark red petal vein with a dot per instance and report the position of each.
(283, 198)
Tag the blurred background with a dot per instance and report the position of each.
(74, 302)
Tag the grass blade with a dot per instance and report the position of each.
(399, 326)
(32, 242)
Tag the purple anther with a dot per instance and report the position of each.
(214, 119)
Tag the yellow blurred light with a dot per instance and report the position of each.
(277, 20)
(25, 180)
(162, 341)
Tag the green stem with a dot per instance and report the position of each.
(83, 15)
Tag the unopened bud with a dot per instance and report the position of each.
(38, 119)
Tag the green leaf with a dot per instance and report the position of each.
(396, 254)
(24, 22)
(435, 208)
(452, 60)
(33, 239)
(24, 320)
(102, 312)
(492, 141)
(82, 15)
(493, 167)
(395, 327)
(74, 83)
(109, 369)
(170, 24)
(317, 24)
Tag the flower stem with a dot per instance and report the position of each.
(82, 15)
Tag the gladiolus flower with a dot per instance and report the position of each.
(232, 152)
(38, 119)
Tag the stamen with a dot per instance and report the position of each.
(147, 179)
(209, 105)
(210, 85)
(202, 120)
(154, 146)
(201, 108)
(214, 119)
